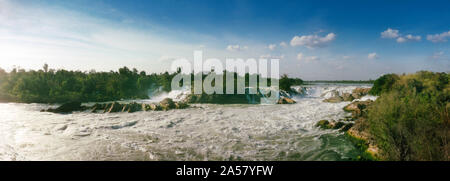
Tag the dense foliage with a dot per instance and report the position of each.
(50, 86)
(58, 86)
(286, 82)
(410, 120)
(383, 84)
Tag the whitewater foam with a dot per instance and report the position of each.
(203, 132)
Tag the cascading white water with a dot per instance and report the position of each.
(203, 132)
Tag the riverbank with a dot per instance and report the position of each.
(408, 121)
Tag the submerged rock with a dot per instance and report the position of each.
(67, 108)
(324, 124)
(335, 99)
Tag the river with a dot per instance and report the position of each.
(202, 132)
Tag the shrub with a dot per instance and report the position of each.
(410, 120)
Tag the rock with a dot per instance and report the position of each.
(338, 125)
(181, 105)
(145, 107)
(347, 127)
(357, 107)
(324, 124)
(107, 106)
(61, 128)
(335, 99)
(125, 108)
(155, 107)
(359, 92)
(67, 108)
(167, 104)
(97, 107)
(134, 107)
(115, 107)
(347, 97)
(285, 100)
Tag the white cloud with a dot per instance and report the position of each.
(301, 57)
(437, 55)
(283, 44)
(372, 56)
(408, 38)
(312, 41)
(272, 46)
(236, 48)
(390, 33)
(394, 34)
(269, 56)
(436, 38)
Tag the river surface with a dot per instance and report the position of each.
(202, 132)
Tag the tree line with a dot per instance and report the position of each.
(59, 86)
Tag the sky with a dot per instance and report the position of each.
(314, 40)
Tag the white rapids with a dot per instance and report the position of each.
(202, 132)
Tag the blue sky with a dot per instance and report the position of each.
(313, 39)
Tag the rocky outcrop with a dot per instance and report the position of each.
(67, 108)
(114, 107)
(355, 126)
(285, 100)
(356, 94)
(166, 104)
(358, 108)
(334, 99)
(332, 124)
(360, 92)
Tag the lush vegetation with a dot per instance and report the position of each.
(410, 120)
(53, 86)
(285, 84)
(384, 84)
(58, 86)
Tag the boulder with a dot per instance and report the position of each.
(181, 105)
(115, 107)
(134, 107)
(167, 104)
(285, 100)
(347, 97)
(338, 125)
(97, 107)
(334, 99)
(358, 108)
(324, 124)
(67, 108)
(106, 108)
(145, 107)
(360, 92)
(154, 107)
